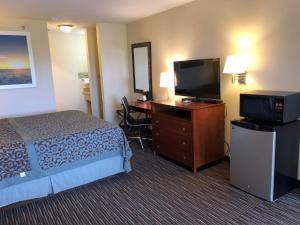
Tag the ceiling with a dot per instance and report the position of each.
(86, 11)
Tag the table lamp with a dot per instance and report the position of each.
(166, 81)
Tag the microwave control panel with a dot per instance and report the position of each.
(278, 105)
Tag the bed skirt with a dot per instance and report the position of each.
(61, 181)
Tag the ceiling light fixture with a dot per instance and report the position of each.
(65, 27)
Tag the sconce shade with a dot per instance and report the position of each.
(235, 64)
(166, 80)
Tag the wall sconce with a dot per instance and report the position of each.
(65, 27)
(166, 81)
(236, 65)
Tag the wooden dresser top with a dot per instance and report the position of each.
(183, 105)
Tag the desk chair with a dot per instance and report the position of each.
(134, 123)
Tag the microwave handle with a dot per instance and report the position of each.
(271, 102)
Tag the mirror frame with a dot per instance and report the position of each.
(141, 45)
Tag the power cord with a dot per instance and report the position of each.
(227, 152)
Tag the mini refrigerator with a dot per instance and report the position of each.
(264, 157)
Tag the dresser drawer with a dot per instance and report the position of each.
(173, 125)
(178, 148)
(179, 155)
(174, 141)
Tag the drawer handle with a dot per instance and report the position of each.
(156, 121)
(183, 143)
(157, 146)
(157, 134)
(184, 157)
(183, 129)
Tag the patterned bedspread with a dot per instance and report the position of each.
(13, 154)
(49, 143)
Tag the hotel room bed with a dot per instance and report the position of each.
(50, 153)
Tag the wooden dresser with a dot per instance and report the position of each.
(189, 133)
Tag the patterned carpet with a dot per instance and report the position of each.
(157, 192)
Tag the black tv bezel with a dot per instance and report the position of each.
(217, 96)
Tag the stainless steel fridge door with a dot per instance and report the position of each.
(252, 160)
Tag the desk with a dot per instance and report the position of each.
(143, 107)
(138, 106)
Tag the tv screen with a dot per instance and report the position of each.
(198, 78)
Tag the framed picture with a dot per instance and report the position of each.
(16, 60)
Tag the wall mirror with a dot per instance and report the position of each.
(141, 68)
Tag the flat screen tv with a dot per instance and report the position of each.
(198, 78)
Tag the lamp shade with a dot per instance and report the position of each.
(166, 79)
(235, 64)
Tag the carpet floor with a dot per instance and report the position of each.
(157, 192)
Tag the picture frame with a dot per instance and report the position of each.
(16, 60)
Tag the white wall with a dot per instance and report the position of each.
(69, 57)
(266, 30)
(16, 102)
(113, 52)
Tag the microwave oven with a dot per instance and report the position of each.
(273, 106)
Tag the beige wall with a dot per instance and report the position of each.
(94, 71)
(69, 57)
(16, 102)
(112, 43)
(266, 30)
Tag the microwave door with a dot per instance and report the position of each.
(256, 107)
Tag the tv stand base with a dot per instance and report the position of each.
(205, 100)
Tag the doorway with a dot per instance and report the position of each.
(70, 70)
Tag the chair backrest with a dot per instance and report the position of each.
(125, 105)
(127, 115)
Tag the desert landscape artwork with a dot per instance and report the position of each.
(16, 63)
